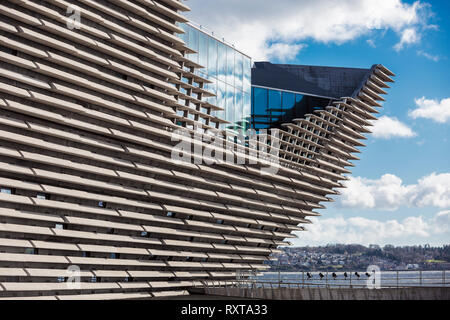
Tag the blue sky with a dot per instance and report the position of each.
(399, 192)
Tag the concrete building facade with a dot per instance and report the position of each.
(93, 95)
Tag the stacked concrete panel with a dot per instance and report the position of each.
(323, 143)
(88, 112)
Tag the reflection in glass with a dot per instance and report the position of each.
(288, 100)
(212, 87)
(212, 57)
(230, 73)
(272, 108)
(185, 36)
(230, 66)
(203, 52)
(288, 104)
(222, 62)
(259, 112)
(238, 72)
(193, 44)
(246, 109)
(238, 110)
(247, 74)
(221, 99)
(229, 110)
(274, 99)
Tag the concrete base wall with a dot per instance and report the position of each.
(334, 294)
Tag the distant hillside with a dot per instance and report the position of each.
(358, 257)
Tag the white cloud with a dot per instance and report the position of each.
(409, 36)
(389, 192)
(367, 231)
(371, 43)
(442, 222)
(436, 110)
(429, 56)
(284, 51)
(253, 24)
(386, 128)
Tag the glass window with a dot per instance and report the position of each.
(229, 111)
(238, 109)
(212, 57)
(300, 106)
(221, 99)
(203, 51)
(259, 101)
(298, 97)
(288, 100)
(212, 87)
(260, 116)
(238, 71)
(274, 99)
(185, 36)
(193, 44)
(30, 251)
(222, 62)
(183, 90)
(6, 190)
(247, 74)
(43, 196)
(288, 104)
(230, 66)
(246, 108)
(275, 110)
(102, 204)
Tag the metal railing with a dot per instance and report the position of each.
(388, 279)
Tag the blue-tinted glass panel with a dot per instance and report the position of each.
(276, 111)
(222, 62)
(229, 111)
(261, 119)
(185, 36)
(238, 71)
(274, 99)
(212, 87)
(221, 99)
(288, 100)
(300, 105)
(193, 44)
(238, 108)
(247, 74)
(203, 51)
(230, 66)
(246, 109)
(230, 73)
(212, 57)
(288, 106)
(6, 190)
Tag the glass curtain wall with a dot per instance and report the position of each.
(271, 107)
(230, 73)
